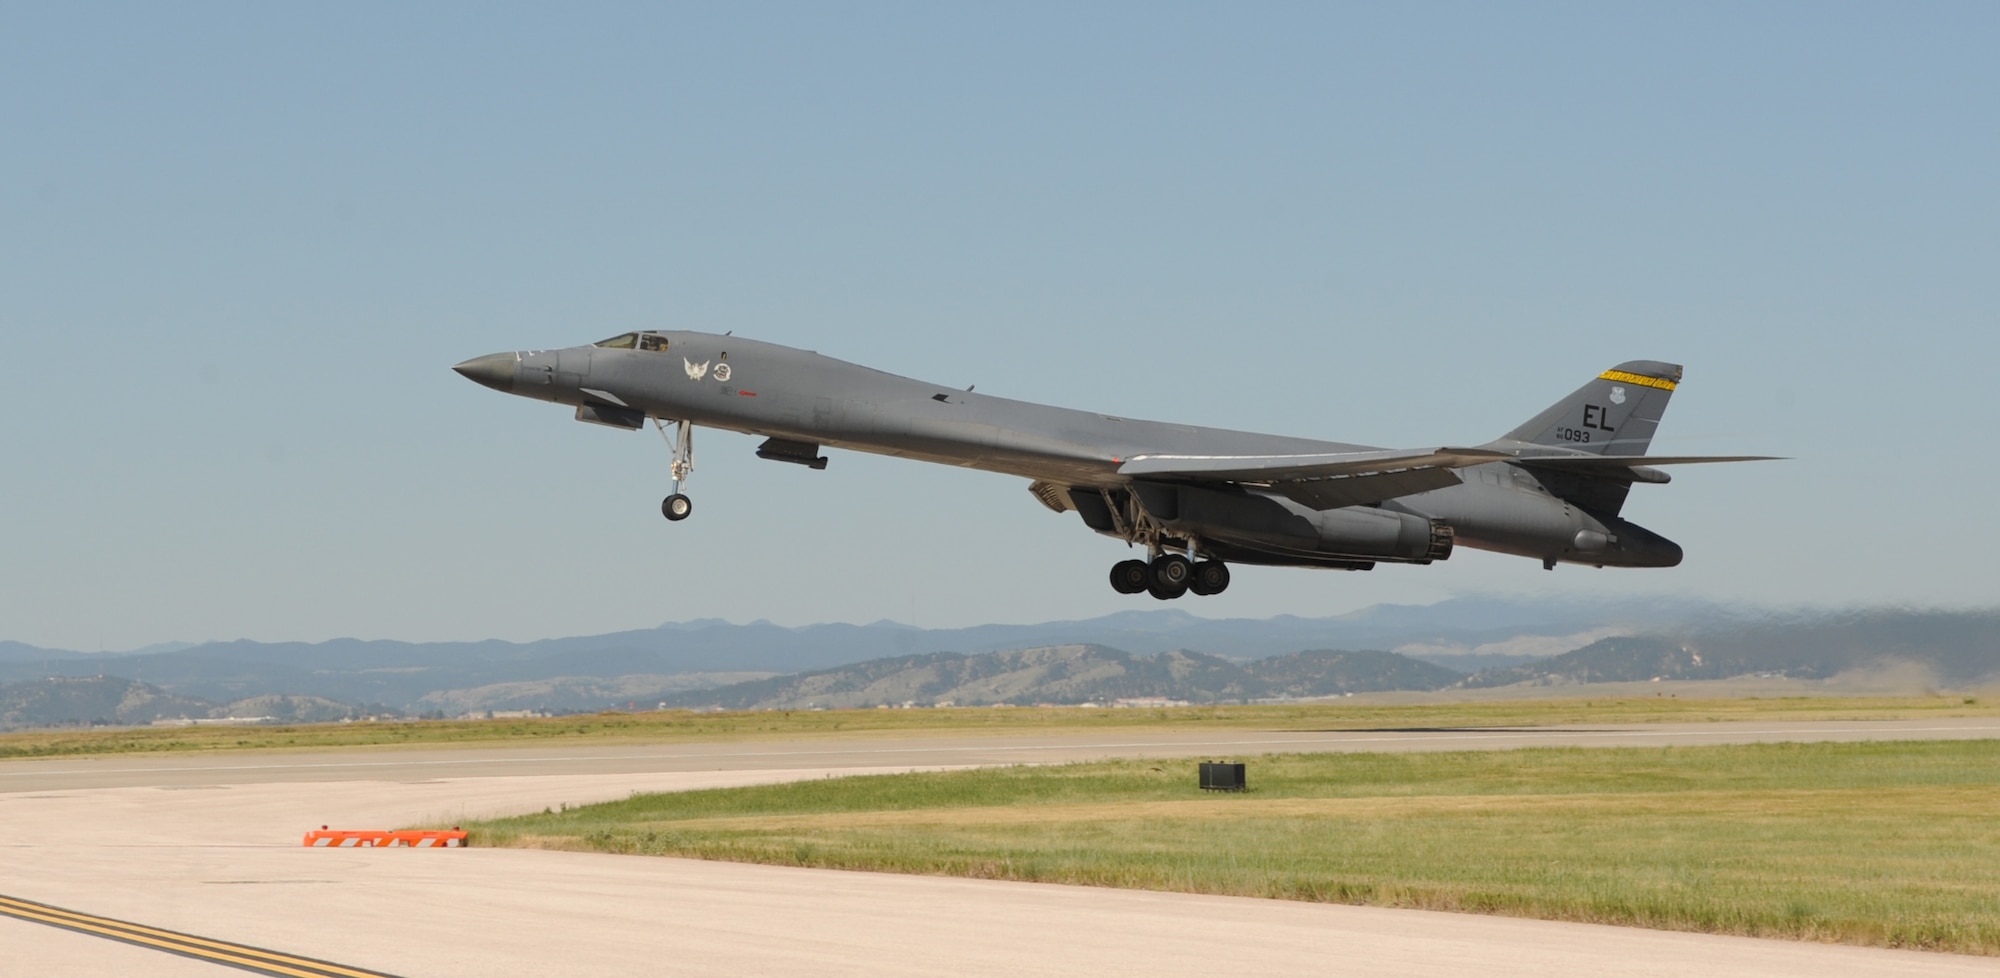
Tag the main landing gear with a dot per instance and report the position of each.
(1169, 576)
(678, 506)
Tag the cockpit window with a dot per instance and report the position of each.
(635, 341)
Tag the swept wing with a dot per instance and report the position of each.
(1321, 481)
(1336, 479)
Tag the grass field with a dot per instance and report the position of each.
(771, 725)
(1890, 843)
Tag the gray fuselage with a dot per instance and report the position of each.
(1072, 456)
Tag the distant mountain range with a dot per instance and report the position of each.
(401, 672)
(1957, 648)
(1954, 649)
(1165, 652)
(108, 700)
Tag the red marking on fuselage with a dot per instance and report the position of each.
(747, 393)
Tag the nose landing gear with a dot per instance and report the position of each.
(678, 506)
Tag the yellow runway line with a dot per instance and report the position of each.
(242, 956)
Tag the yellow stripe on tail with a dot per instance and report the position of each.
(1639, 379)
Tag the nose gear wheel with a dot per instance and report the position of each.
(676, 507)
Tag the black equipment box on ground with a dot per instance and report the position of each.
(1222, 776)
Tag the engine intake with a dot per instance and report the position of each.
(609, 416)
(796, 452)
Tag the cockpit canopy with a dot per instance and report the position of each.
(634, 341)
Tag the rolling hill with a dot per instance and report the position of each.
(1074, 674)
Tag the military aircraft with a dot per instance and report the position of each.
(1197, 499)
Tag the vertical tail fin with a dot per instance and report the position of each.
(1615, 414)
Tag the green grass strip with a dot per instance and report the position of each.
(1893, 844)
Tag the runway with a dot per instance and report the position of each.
(209, 845)
(195, 770)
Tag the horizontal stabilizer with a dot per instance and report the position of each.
(1589, 462)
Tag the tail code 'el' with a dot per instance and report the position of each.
(1615, 414)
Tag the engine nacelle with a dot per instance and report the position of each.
(1260, 520)
(1361, 531)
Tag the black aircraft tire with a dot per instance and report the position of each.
(1173, 571)
(676, 507)
(1210, 577)
(1130, 576)
(1165, 592)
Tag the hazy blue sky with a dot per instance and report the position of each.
(242, 244)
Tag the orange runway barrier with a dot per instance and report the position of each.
(325, 838)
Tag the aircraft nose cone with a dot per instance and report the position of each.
(495, 370)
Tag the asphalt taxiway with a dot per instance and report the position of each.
(208, 845)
